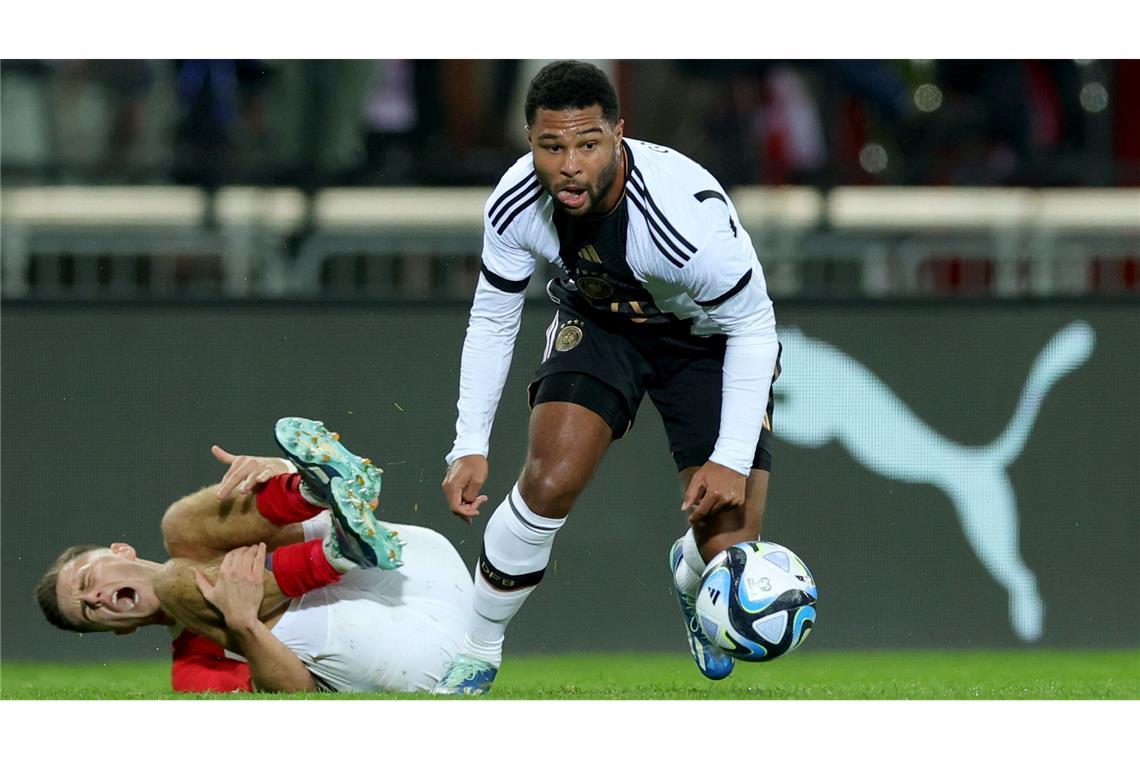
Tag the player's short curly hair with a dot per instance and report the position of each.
(571, 84)
(46, 594)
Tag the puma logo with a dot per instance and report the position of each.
(825, 395)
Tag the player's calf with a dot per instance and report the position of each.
(201, 527)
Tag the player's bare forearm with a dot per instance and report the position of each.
(272, 666)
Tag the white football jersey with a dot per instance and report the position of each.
(684, 241)
(383, 630)
(684, 256)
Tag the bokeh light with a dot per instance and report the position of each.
(1094, 98)
(928, 97)
(873, 158)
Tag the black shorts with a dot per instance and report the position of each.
(609, 372)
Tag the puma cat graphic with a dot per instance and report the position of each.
(825, 395)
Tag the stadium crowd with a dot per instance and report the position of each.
(452, 122)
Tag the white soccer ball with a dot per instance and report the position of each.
(757, 601)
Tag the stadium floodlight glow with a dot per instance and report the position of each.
(928, 98)
(1094, 98)
(873, 158)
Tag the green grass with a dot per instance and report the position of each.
(1035, 674)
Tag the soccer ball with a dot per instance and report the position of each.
(757, 601)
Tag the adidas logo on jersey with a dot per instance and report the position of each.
(589, 253)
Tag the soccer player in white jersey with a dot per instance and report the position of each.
(661, 293)
(342, 604)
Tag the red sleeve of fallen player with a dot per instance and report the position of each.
(200, 665)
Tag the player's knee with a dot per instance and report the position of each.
(550, 493)
(178, 534)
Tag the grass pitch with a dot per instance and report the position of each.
(967, 675)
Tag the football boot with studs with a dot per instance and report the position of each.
(350, 486)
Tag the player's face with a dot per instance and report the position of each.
(108, 590)
(577, 157)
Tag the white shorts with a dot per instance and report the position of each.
(383, 630)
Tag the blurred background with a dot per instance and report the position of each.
(313, 123)
(193, 248)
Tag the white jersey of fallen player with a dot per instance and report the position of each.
(684, 243)
(383, 630)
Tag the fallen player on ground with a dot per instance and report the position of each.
(280, 579)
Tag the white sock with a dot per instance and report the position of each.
(339, 562)
(308, 495)
(306, 492)
(516, 550)
(689, 569)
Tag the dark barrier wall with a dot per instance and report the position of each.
(932, 511)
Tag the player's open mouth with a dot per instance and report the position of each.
(572, 197)
(124, 599)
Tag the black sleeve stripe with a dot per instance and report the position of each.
(645, 191)
(675, 262)
(638, 192)
(656, 242)
(704, 195)
(513, 200)
(739, 286)
(518, 210)
(503, 197)
(502, 283)
(654, 227)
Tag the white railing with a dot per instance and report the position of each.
(275, 241)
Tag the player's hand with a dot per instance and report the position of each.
(465, 478)
(239, 589)
(245, 472)
(713, 487)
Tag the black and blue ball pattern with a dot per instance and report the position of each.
(757, 601)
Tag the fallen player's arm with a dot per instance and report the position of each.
(226, 612)
(238, 594)
(272, 667)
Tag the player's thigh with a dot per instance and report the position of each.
(566, 443)
(584, 395)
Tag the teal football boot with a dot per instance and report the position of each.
(467, 675)
(348, 484)
(713, 663)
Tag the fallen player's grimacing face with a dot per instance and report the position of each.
(108, 590)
